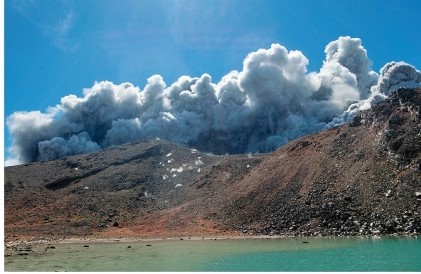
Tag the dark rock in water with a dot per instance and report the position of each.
(26, 249)
(391, 225)
(86, 246)
(129, 246)
(148, 245)
(305, 242)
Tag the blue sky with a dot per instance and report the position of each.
(58, 47)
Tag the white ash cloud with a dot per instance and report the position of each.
(393, 76)
(350, 53)
(271, 101)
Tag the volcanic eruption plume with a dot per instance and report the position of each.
(271, 101)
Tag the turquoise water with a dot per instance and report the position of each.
(361, 255)
(297, 254)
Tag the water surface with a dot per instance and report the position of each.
(293, 254)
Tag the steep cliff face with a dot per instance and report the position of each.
(355, 179)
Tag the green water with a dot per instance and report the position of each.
(327, 254)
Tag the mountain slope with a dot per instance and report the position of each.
(140, 185)
(359, 178)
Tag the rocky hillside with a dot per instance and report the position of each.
(360, 178)
(363, 178)
(135, 188)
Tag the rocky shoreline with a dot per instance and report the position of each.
(28, 246)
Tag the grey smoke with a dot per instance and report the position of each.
(58, 147)
(272, 100)
(395, 75)
(349, 53)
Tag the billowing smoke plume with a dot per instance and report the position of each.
(273, 100)
(395, 75)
